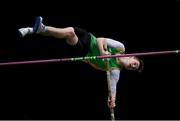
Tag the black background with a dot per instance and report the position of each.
(74, 90)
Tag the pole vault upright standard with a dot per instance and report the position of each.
(88, 58)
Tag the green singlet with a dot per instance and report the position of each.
(101, 63)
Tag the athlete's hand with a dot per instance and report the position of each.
(111, 102)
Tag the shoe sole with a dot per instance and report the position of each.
(37, 23)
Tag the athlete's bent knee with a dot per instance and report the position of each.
(71, 36)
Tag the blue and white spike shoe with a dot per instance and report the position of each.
(38, 26)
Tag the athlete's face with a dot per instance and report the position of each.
(131, 63)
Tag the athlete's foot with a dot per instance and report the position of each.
(24, 31)
(38, 26)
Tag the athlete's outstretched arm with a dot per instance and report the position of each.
(114, 76)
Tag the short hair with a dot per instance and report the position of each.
(141, 65)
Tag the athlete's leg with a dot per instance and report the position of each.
(62, 33)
